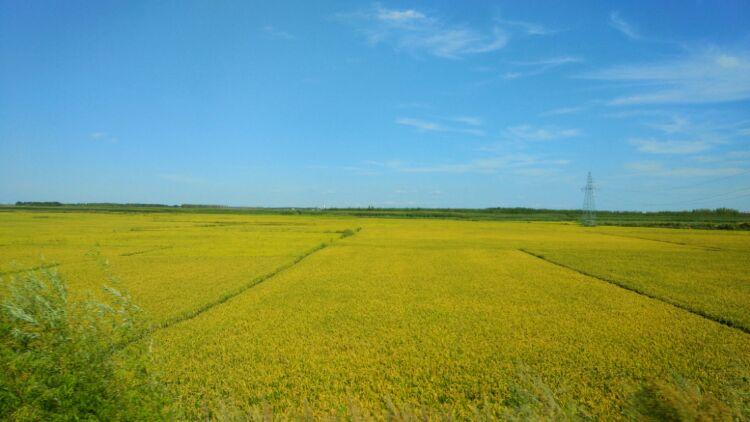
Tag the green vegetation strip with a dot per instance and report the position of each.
(718, 319)
(707, 219)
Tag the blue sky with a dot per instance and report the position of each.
(395, 104)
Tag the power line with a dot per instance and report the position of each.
(707, 198)
(729, 195)
(697, 202)
(705, 182)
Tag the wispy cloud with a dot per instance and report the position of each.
(735, 158)
(468, 120)
(537, 67)
(653, 146)
(414, 105)
(513, 163)
(103, 137)
(562, 110)
(708, 76)
(399, 17)
(688, 132)
(615, 21)
(416, 32)
(709, 125)
(272, 32)
(178, 178)
(675, 124)
(421, 125)
(529, 28)
(655, 168)
(528, 133)
(552, 61)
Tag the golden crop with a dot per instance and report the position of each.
(415, 313)
(170, 264)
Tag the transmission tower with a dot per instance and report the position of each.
(589, 206)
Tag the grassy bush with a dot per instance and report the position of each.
(678, 401)
(349, 232)
(73, 360)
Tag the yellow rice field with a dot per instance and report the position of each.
(298, 314)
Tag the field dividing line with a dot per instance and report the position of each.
(75, 261)
(38, 267)
(46, 266)
(706, 248)
(256, 281)
(161, 248)
(717, 319)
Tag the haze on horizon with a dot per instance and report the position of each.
(389, 104)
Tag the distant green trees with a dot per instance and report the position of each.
(39, 204)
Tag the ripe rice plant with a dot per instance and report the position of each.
(296, 316)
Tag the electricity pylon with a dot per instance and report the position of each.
(589, 205)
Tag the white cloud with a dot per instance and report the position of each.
(562, 110)
(515, 163)
(403, 191)
(530, 28)
(615, 21)
(421, 125)
(468, 120)
(708, 76)
(399, 16)
(528, 133)
(676, 124)
(431, 126)
(537, 172)
(272, 32)
(103, 137)
(415, 105)
(536, 67)
(741, 158)
(653, 146)
(650, 167)
(687, 132)
(655, 168)
(552, 61)
(178, 178)
(703, 172)
(414, 31)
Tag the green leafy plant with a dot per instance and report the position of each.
(678, 401)
(62, 359)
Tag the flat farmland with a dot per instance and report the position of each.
(322, 314)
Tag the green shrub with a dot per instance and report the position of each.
(73, 360)
(349, 232)
(678, 401)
